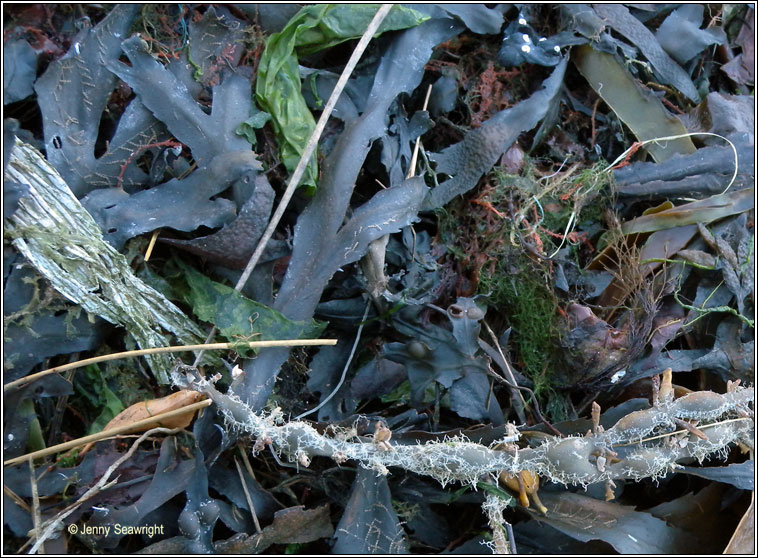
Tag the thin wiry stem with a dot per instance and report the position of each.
(247, 494)
(35, 503)
(344, 370)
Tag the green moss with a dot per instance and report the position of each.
(402, 395)
(505, 212)
(529, 306)
(405, 510)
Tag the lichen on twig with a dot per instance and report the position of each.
(724, 419)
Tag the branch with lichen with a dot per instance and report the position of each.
(65, 245)
(653, 441)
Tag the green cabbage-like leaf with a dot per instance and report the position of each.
(278, 88)
(239, 318)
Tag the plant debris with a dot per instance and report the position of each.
(530, 228)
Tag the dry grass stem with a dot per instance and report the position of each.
(107, 433)
(174, 349)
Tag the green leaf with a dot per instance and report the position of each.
(111, 405)
(100, 396)
(636, 106)
(496, 490)
(247, 129)
(238, 318)
(278, 87)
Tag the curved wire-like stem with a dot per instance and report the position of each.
(344, 370)
(637, 145)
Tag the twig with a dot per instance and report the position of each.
(54, 430)
(511, 538)
(309, 149)
(414, 158)
(247, 494)
(173, 349)
(18, 500)
(536, 409)
(519, 403)
(249, 469)
(150, 246)
(35, 503)
(55, 524)
(108, 433)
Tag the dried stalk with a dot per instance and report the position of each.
(135, 426)
(55, 525)
(247, 497)
(35, 501)
(174, 349)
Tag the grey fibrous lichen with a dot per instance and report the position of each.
(725, 419)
